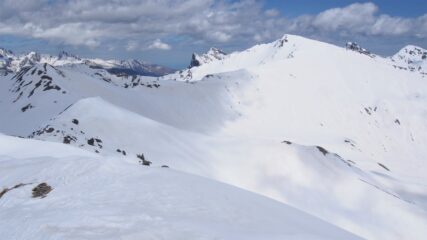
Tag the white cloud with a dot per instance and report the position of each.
(272, 13)
(92, 22)
(360, 18)
(96, 23)
(158, 44)
(132, 45)
(355, 17)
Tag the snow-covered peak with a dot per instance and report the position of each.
(132, 63)
(129, 67)
(63, 58)
(411, 53)
(66, 55)
(33, 56)
(4, 53)
(27, 60)
(5, 59)
(411, 57)
(212, 55)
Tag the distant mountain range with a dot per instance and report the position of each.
(10, 62)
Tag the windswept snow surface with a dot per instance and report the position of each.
(335, 133)
(97, 197)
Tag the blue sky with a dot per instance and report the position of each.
(403, 8)
(168, 31)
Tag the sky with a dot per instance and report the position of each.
(167, 32)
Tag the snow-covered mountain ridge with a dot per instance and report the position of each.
(336, 133)
(10, 62)
(260, 54)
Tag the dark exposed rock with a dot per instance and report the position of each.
(41, 190)
(91, 142)
(143, 161)
(94, 141)
(46, 77)
(350, 142)
(194, 62)
(322, 150)
(75, 121)
(28, 106)
(280, 43)
(367, 111)
(121, 151)
(383, 166)
(355, 47)
(68, 139)
(49, 130)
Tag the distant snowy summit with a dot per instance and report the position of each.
(12, 63)
(411, 58)
(211, 55)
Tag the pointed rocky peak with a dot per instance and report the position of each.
(357, 48)
(65, 55)
(212, 55)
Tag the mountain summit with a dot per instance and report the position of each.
(212, 54)
(413, 58)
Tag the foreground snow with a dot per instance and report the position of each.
(95, 197)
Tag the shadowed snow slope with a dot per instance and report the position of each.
(333, 132)
(110, 198)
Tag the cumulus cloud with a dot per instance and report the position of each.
(158, 44)
(360, 18)
(272, 12)
(95, 23)
(354, 17)
(90, 22)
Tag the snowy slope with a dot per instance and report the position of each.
(111, 198)
(368, 203)
(333, 132)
